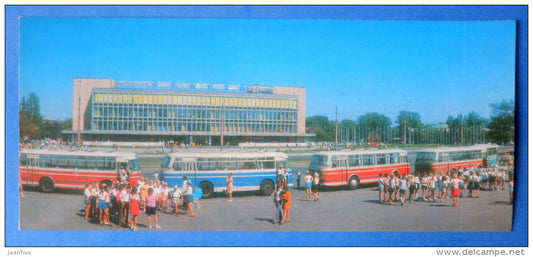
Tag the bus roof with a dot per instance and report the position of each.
(228, 154)
(80, 153)
(459, 148)
(361, 151)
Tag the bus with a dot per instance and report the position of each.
(352, 168)
(208, 171)
(451, 159)
(51, 169)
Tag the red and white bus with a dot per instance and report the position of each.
(444, 160)
(50, 169)
(355, 167)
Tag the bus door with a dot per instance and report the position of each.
(189, 170)
(342, 165)
(33, 166)
(281, 164)
(444, 158)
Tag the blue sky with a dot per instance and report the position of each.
(435, 68)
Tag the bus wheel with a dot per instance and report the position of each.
(353, 182)
(207, 189)
(46, 185)
(267, 187)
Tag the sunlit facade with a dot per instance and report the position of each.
(140, 111)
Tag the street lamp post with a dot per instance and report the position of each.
(336, 128)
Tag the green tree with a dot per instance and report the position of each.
(473, 119)
(323, 128)
(374, 121)
(409, 119)
(51, 129)
(502, 124)
(30, 117)
(27, 128)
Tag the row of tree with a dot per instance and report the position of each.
(33, 126)
(408, 128)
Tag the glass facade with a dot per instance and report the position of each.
(182, 111)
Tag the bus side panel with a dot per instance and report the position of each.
(333, 177)
(70, 179)
(243, 180)
(370, 175)
(27, 177)
(446, 168)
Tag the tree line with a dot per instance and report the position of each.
(407, 128)
(32, 125)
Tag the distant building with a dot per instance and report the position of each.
(105, 109)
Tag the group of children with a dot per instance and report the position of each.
(433, 187)
(125, 202)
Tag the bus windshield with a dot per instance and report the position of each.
(320, 160)
(166, 162)
(426, 156)
(133, 165)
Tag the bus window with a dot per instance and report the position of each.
(320, 160)
(268, 164)
(381, 158)
(23, 160)
(442, 157)
(203, 164)
(354, 160)
(91, 162)
(334, 162)
(62, 161)
(178, 165)
(395, 158)
(368, 159)
(426, 156)
(281, 164)
(232, 164)
(243, 164)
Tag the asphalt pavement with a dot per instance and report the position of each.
(337, 210)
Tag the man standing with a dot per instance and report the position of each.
(298, 177)
(277, 203)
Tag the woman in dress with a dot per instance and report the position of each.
(456, 183)
(229, 180)
(134, 208)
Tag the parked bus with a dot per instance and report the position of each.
(355, 167)
(208, 171)
(451, 159)
(50, 169)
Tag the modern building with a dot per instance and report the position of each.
(206, 114)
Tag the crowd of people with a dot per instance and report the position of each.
(124, 202)
(437, 188)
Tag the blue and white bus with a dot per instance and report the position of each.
(251, 170)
